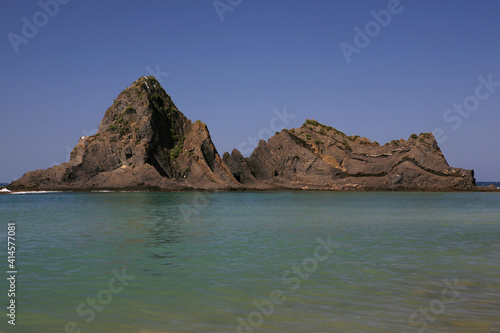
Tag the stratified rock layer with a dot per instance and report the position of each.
(145, 143)
(316, 156)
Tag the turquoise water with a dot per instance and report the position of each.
(196, 262)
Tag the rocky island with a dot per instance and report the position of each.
(145, 143)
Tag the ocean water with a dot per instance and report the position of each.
(254, 262)
(497, 184)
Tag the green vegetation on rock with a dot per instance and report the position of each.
(175, 152)
(353, 137)
(339, 132)
(129, 110)
(346, 145)
(312, 122)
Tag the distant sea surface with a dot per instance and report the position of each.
(497, 184)
(254, 262)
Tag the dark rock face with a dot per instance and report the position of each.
(145, 143)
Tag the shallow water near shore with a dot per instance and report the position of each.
(213, 262)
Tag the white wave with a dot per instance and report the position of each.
(116, 191)
(35, 192)
(4, 190)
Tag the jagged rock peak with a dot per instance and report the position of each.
(143, 142)
(144, 98)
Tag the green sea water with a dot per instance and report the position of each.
(253, 262)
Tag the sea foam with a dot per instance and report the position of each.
(35, 192)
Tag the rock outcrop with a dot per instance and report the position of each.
(316, 156)
(145, 143)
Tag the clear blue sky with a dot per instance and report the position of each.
(264, 55)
